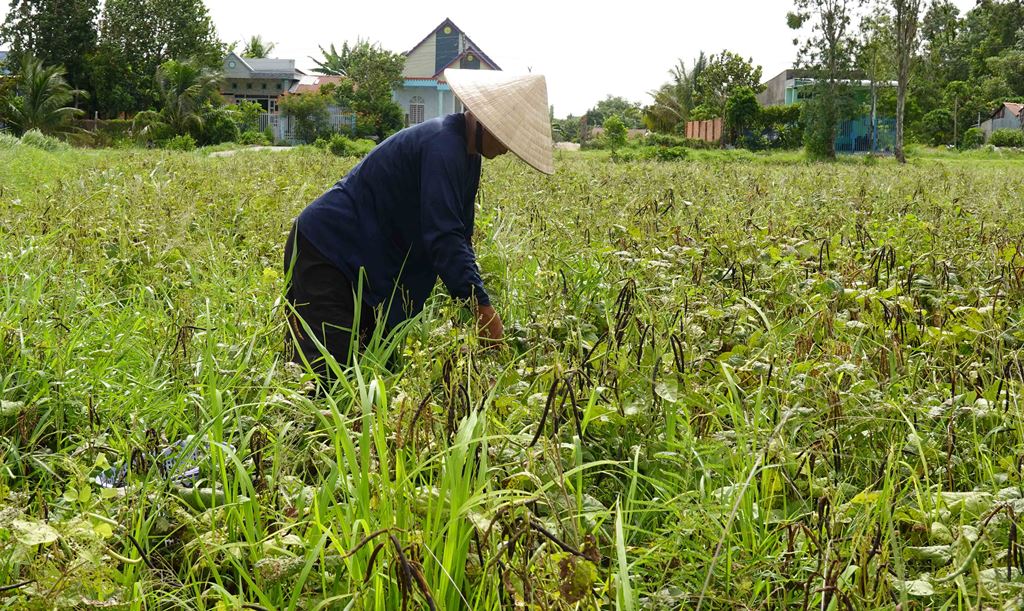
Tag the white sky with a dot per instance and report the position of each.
(587, 50)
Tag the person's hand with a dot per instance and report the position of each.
(489, 325)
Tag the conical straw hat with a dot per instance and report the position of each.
(513, 107)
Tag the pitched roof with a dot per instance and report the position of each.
(469, 42)
(265, 67)
(1014, 108)
(470, 49)
(311, 83)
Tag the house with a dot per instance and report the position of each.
(1007, 116)
(424, 94)
(869, 133)
(258, 80)
(3, 63)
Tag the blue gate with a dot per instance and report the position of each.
(855, 136)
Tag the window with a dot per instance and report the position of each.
(416, 110)
(264, 85)
(234, 85)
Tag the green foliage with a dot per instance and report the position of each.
(725, 74)
(183, 142)
(566, 130)
(342, 146)
(673, 101)
(628, 112)
(973, 138)
(8, 141)
(56, 32)
(42, 99)
(39, 140)
(254, 138)
(310, 113)
(187, 93)
(247, 116)
(741, 111)
(1007, 138)
(220, 124)
(744, 421)
(257, 47)
(372, 74)
(137, 37)
(937, 127)
(615, 132)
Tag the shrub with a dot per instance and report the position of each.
(254, 138)
(310, 113)
(247, 116)
(974, 138)
(180, 143)
(7, 141)
(39, 140)
(345, 147)
(615, 132)
(1007, 138)
(219, 126)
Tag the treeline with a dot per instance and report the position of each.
(952, 70)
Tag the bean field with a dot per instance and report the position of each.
(727, 383)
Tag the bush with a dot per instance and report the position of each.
(180, 143)
(1007, 138)
(344, 147)
(247, 116)
(310, 113)
(7, 141)
(974, 138)
(219, 126)
(937, 127)
(39, 140)
(254, 138)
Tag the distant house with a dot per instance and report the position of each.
(860, 135)
(3, 63)
(424, 94)
(1007, 116)
(258, 80)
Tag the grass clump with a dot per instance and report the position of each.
(39, 140)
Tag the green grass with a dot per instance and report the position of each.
(728, 384)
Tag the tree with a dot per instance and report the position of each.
(628, 112)
(137, 37)
(373, 73)
(905, 22)
(724, 74)
(827, 52)
(56, 32)
(741, 111)
(875, 57)
(674, 100)
(615, 132)
(256, 47)
(186, 90)
(309, 111)
(42, 98)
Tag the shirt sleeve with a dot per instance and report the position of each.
(445, 233)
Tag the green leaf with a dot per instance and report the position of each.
(31, 532)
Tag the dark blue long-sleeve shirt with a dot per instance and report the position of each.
(404, 215)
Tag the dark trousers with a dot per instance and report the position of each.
(325, 299)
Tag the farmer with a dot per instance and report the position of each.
(376, 242)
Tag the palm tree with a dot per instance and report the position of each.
(674, 100)
(185, 88)
(41, 100)
(257, 47)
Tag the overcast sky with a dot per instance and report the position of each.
(585, 49)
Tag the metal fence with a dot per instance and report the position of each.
(282, 127)
(860, 136)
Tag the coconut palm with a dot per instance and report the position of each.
(674, 100)
(41, 99)
(185, 88)
(257, 47)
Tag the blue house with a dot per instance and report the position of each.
(424, 94)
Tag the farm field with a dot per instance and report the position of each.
(727, 384)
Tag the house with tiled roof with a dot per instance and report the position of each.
(424, 94)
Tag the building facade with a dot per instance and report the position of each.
(1008, 116)
(263, 81)
(424, 94)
